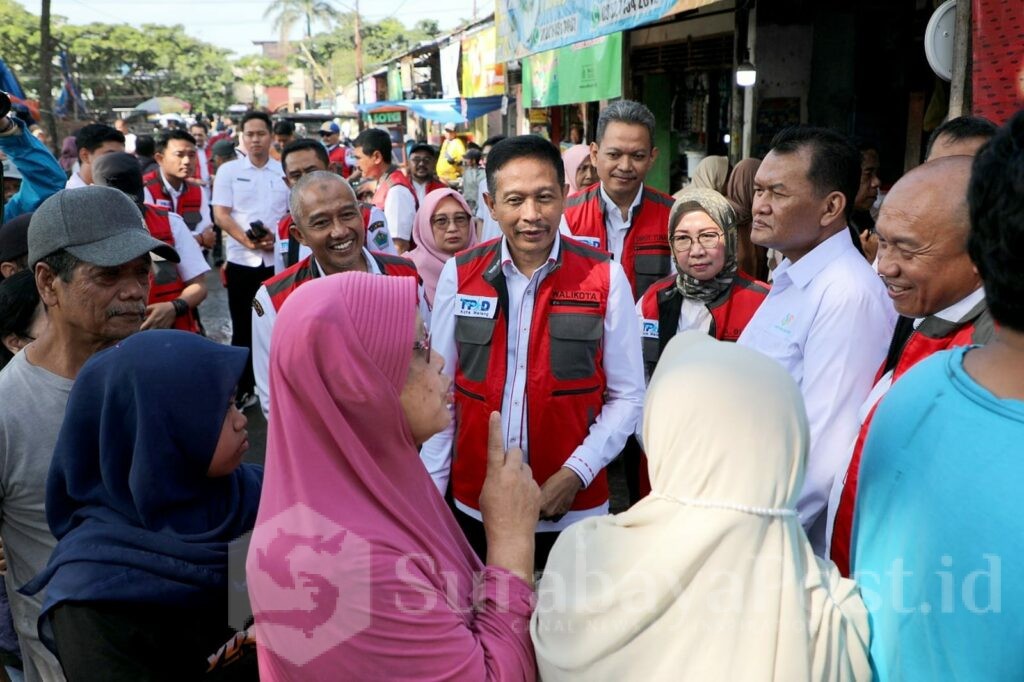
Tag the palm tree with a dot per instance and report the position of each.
(287, 13)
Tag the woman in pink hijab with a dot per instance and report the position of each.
(443, 227)
(357, 569)
(579, 171)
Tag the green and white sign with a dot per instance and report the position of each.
(584, 72)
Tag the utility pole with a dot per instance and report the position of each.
(46, 73)
(359, 63)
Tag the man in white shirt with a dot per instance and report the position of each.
(827, 319)
(420, 169)
(542, 329)
(246, 191)
(200, 134)
(93, 140)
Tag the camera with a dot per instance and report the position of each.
(257, 231)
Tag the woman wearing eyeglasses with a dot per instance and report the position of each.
(443, 227)
(708, 293)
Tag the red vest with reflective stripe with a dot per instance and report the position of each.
(280, 286)
(164, 281)
(932, 336)
(661, 306)
(392, 177)
(190, 203)
(565, 382)
(645, 252)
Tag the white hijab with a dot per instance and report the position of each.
(711, 576)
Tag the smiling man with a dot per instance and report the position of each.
(827, 319)
(922, 257)
(329, 221)
(620, 214)
(541, 329)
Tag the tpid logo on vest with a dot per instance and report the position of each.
(650, 329)
(589, 241)
(476, 306)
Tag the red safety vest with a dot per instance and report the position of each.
(165, 283)
(281, 285)
(392, 176)
(661, 306)
(933, 335)
(646, 257)
(189, 205)
(565, 381)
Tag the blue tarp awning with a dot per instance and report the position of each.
(455, 110)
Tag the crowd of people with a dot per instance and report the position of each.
(814, 385)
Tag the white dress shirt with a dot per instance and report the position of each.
(400, 211)
(828, 321)
(615, 227)
(192, 263)
(622, 363)
(75, 181)
(252, 194)
(263, 318)
(953, 313)
(172, 205)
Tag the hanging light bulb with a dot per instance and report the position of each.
(746, 74)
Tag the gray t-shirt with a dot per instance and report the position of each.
(32, 404)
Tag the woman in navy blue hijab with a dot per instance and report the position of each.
(145, 492)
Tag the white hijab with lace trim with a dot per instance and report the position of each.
(710, 577)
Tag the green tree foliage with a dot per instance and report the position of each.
(255, 70)
(121, 65)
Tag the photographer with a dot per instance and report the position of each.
(249, 197)
(41, 174)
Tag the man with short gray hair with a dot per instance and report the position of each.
(620, 214)
(90, 251)
(329, 221)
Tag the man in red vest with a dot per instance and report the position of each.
(620, 214)
(303, 157)
(395, 195)
(169, 186)
(922, 257)
(542, 330)
(176, 289)
(327, 220)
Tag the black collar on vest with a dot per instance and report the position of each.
(935, 328)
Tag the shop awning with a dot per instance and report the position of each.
(454, 110)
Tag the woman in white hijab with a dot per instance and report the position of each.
(711, 576)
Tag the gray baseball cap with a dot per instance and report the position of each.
(98, 225)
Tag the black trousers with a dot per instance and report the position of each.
(243, 282)
(474, 532)
(110, 642)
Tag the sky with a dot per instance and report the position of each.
(234, 24)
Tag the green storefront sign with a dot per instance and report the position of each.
(385, 117)
(584, 72)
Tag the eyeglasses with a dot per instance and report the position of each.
(442, 222)
(707, 240)
(424, 346)
(417, 160)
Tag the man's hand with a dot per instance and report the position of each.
(159, 316)
(557, 494)
(266, 244)
(3, 559)
(207, 238)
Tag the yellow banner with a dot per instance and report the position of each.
(482, 76)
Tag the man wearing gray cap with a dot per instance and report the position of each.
(90, 252)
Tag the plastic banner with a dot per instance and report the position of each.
(584, 72)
